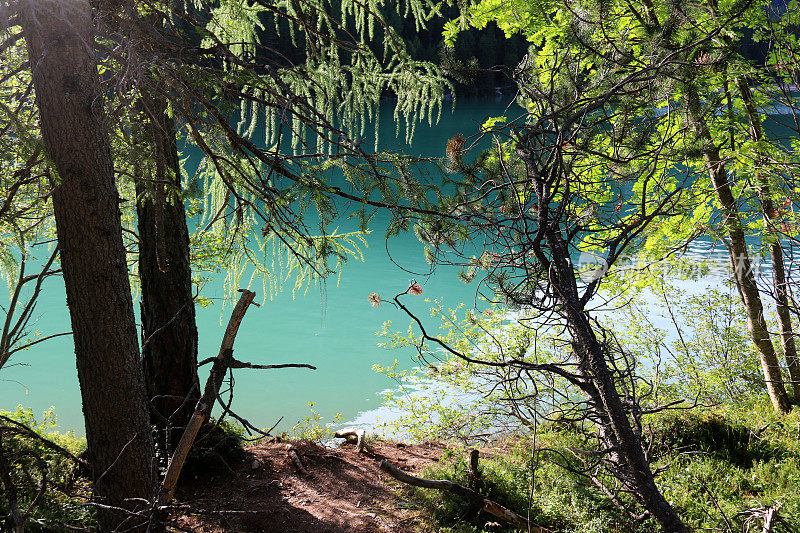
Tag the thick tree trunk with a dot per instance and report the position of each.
(741, 264)
(59, 38)
(780, 287)
(169, 330)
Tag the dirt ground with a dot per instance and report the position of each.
(343, 491)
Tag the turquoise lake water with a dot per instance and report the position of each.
(334, 330)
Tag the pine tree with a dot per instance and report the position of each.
(59, 35)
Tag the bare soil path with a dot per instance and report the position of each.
(344, 491)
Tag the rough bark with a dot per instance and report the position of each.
(616, 431)
(780, 287)
(741, 265)
(169, 330)
(626, 454)
(59, 39)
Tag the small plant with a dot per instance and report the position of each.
(313, 429)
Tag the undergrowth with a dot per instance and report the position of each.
(218, 446)
(60, 507)
(63, 504)
(720, 466)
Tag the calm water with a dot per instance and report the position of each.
(334, 331)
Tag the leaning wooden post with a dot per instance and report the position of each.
(474, 473)
(206, 403)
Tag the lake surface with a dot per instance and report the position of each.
(333, 329)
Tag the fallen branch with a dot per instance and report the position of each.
(769, 514)
(350, 435)
(292, 452)
(487, 505)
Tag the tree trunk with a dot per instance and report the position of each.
(59, 39)
(779, 284)
(626, 453)
(169, 330)
(781, 288)
(617, 433)
(740, 260)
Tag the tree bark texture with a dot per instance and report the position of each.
(169, 330)
(59, 37)
(779, 284)
(741, 265)
(626, 454)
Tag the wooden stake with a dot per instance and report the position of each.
(292, 452)
(204, 406)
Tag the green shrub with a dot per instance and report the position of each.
(714, 435)
(559, 501)
(313, 428)
(716, 466)
(29, 459)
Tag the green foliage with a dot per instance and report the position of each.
(713, 360)
(61, 505)
(740, 457)
(523, 481)
(650, 140)
(26, 223)
(313, 429)
(703, 355)
(714, 435)
(502, 479)
(718, 464)
(700, 350)
(447, 397)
